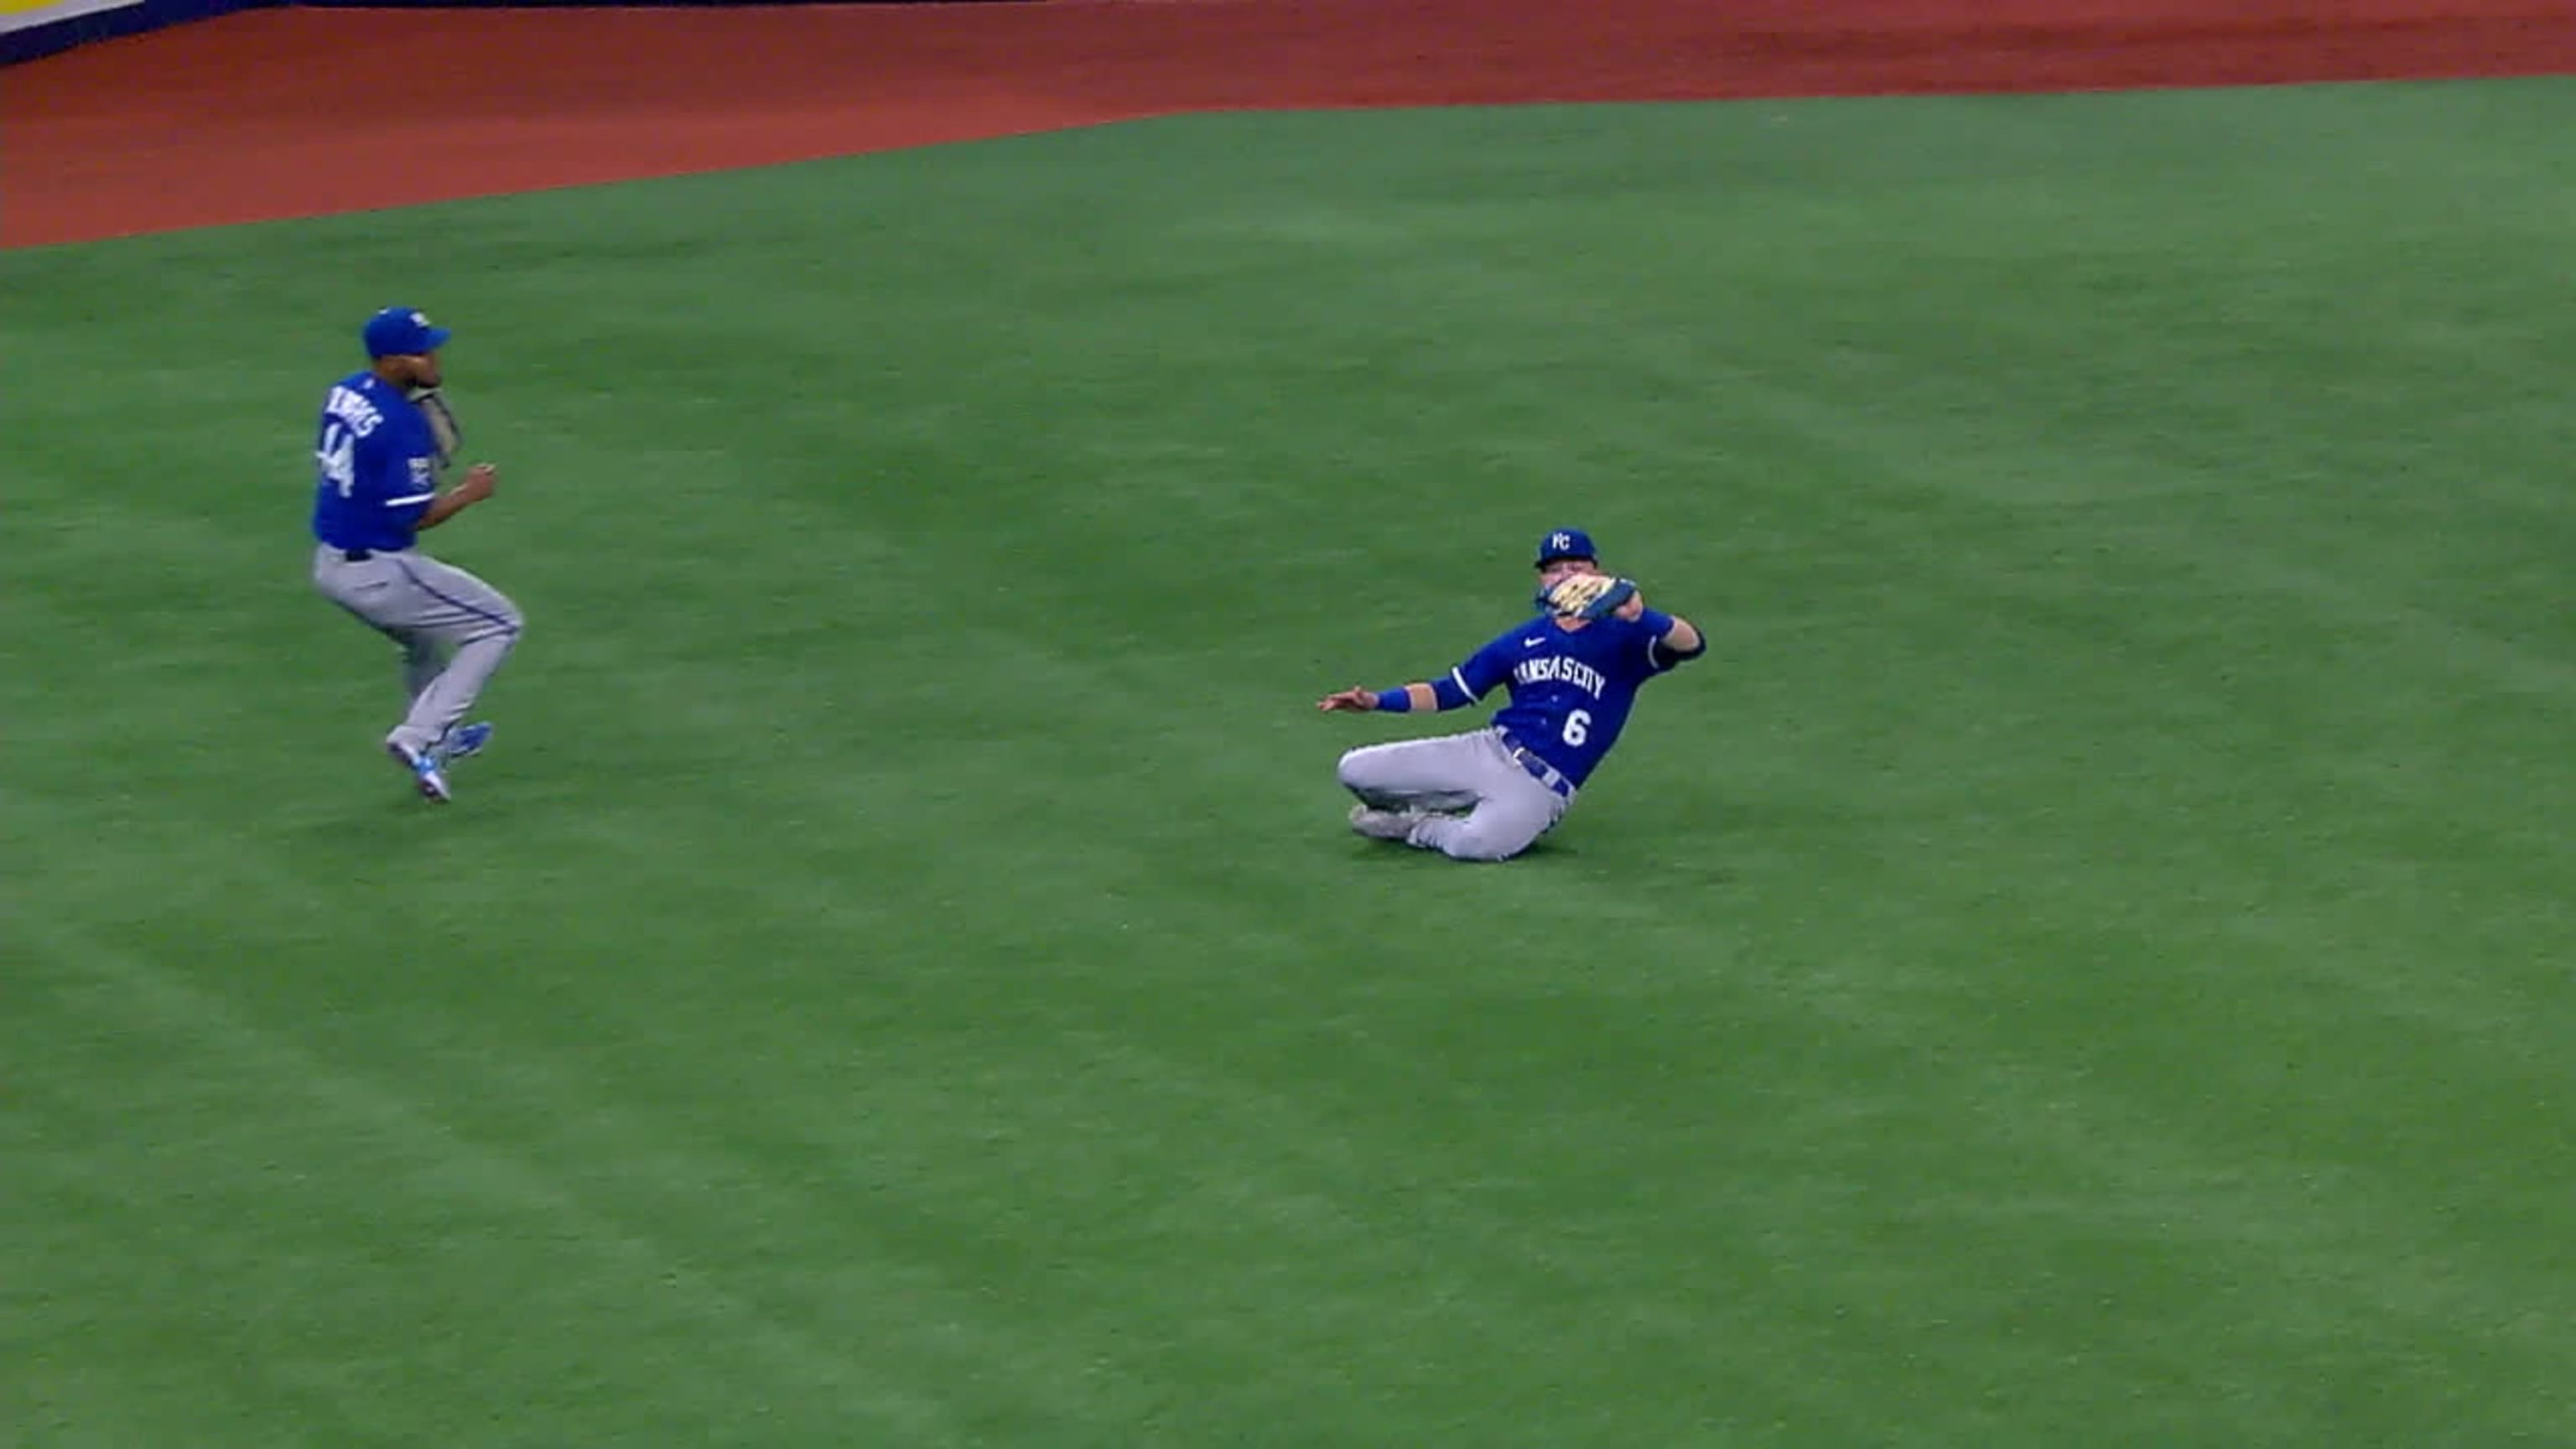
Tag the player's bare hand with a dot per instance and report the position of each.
(1634, 608)
(1354, 698)
(480, 481)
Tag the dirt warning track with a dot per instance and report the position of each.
(284, 112)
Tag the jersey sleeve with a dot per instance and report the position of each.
(1652, 625)
(391, 474)
(1486, 668)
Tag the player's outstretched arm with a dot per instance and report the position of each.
(1416, 696)
(1457, 689)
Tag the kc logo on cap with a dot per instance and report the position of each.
(1564, 543)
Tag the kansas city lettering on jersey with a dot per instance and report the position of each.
(352, 407)
(1557, 668)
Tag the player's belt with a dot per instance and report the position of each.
(357, 555)
(1539, 770)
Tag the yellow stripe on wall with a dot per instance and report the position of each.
(19, 14)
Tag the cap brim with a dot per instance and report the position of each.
(437, 339)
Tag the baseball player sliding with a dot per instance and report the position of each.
(1573, 672)
(386, 435)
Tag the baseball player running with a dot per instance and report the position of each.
(386, 436)
(1573, 672)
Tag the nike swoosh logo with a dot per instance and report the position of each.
(1533, 639)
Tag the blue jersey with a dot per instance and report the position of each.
(375, 465)
(1570, 688)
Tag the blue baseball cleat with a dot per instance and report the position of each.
(433, 785)
(463, 742)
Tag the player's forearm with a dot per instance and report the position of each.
(1684, 637)
(443, 508)
(1403, 699)
(1421, 698)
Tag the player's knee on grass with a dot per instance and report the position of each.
(1358, 777)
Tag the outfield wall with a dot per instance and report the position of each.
(30, 28)
(33, 28)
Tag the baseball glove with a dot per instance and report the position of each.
(442, 421)
(1587, 596)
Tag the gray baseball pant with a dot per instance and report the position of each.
(453, 630)
(1506, 809)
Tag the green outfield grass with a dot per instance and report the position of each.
(2084, 961)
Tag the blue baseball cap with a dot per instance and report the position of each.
(402, 331)
(1565, 543)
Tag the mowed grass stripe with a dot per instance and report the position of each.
(420, 1248)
